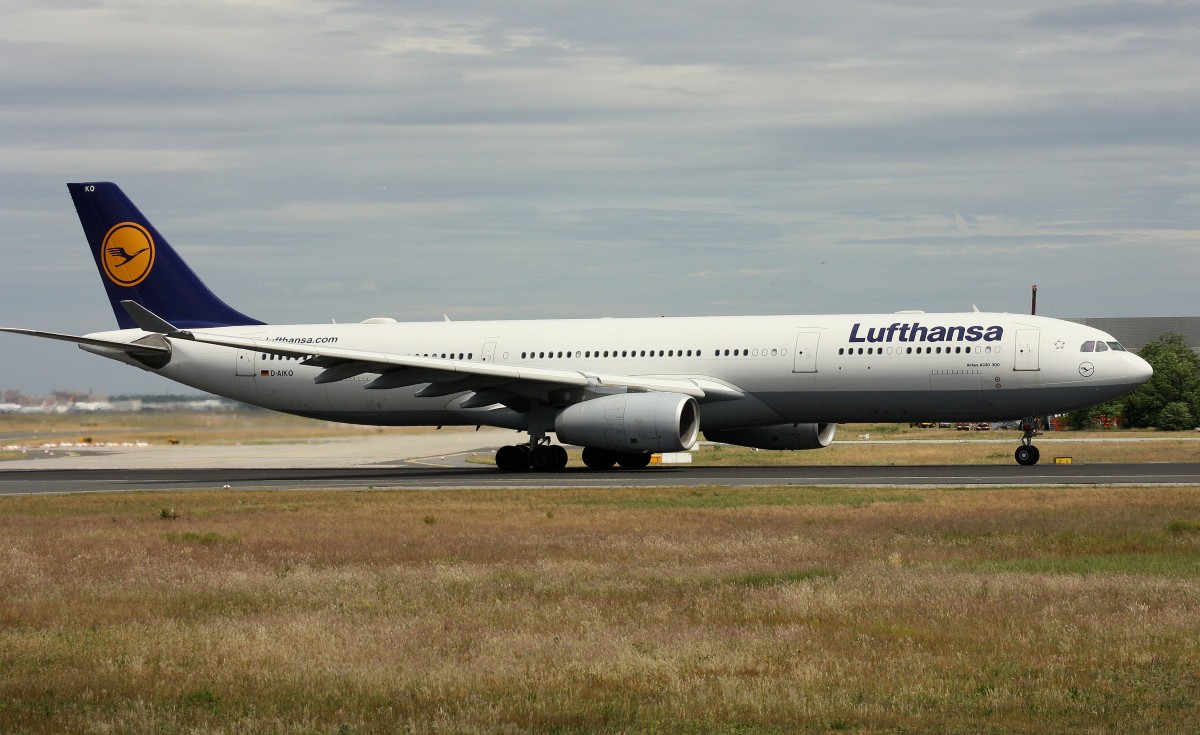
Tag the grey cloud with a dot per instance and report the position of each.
(552, 159)
(1126, 15)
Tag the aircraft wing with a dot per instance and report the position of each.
(446, 377)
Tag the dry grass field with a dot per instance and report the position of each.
(946, 447)
(190, 427)
(1081, 447)
(770, 610)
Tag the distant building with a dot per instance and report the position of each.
(1135, 331)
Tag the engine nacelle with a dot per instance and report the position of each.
(779, 436)
(632, 422)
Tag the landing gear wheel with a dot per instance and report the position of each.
(634, 461)
(598, 459)
(512, 458)
(560, 458)
(1027, 455)
(548, 458)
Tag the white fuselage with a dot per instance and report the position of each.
(840, 368)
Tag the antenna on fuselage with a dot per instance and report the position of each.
(1033, 307)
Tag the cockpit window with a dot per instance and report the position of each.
(1116, 346)
(1088, 346)
(1101, 347)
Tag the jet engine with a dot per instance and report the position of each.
(632, 422)
(779, 436)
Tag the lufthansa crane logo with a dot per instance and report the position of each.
(127, 254)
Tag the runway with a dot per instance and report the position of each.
(438, 460)
(413, 476)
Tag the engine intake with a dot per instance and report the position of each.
(632, 422)
(779, 436)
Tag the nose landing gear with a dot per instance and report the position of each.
(1027, 454)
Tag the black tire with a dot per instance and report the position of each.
(548, 458)
(560, 458)
(1027, 455)
(598, 459)
(512, 459)
(634, 461)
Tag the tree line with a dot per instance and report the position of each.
(1169, 401)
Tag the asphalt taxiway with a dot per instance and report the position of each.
(439, 460)
(423, 476)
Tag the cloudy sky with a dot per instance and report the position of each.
(341, 160)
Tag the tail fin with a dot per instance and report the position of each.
(138, 264)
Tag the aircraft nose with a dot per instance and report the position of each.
(1137, 369)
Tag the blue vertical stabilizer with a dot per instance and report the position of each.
(136, 263)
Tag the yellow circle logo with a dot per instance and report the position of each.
(127, 254)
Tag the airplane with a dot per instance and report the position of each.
(620, 388)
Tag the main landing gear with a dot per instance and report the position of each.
(1027, 454)
(540, 455)
(537, 455)
(602, 459)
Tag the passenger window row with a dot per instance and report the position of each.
(447, 355)
(738, 352)
(561, 354)
(443, 355)
(939, 350)
(290, 358)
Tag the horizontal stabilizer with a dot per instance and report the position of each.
(132, 348)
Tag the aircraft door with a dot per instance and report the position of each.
(1026, 354)
(489, 351)
(806, 352)
(245, 363)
